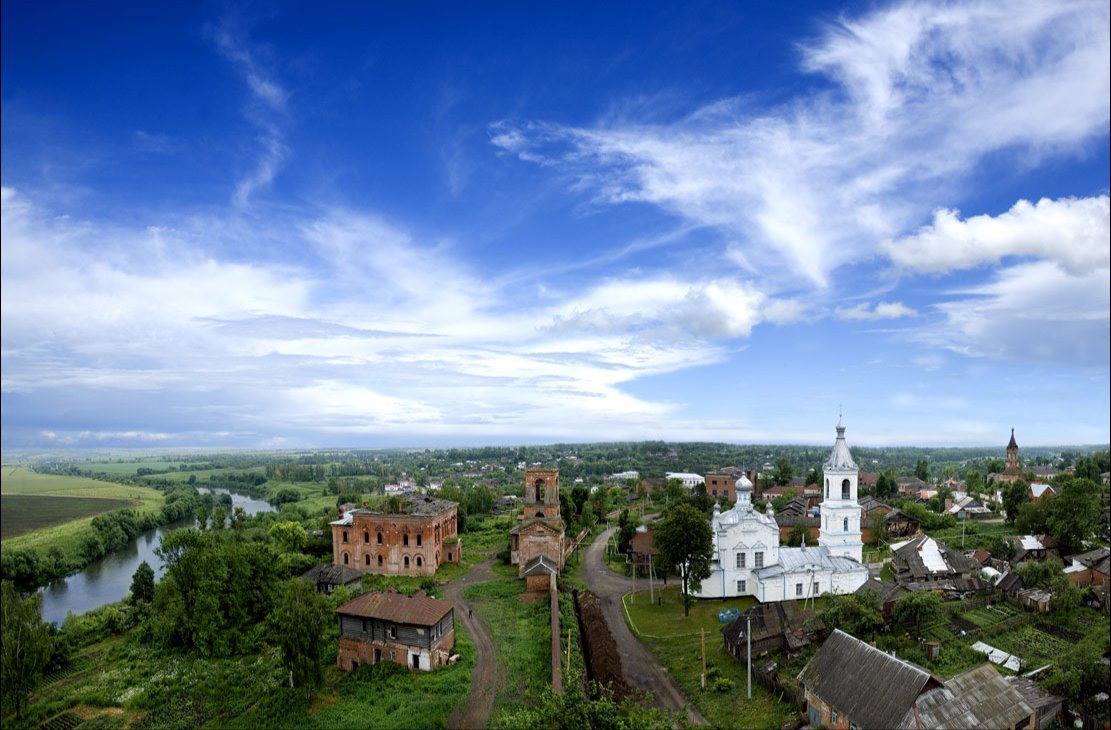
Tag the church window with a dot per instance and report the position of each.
(379, 561)
(827, 489)
(759, 560)
(740, 586)
(845, 525)
(346, 558)
(419, 562)
(405, 539)
(845, 489)
(418, 539)
(816, 591)
(366, 559)
(798, 589)
(740, 560)
(345, 535)
(379, 538)
(406, 561)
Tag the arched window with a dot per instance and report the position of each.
(366, 560)
(379, 561)
(539, 514)
(418, 539)
(406, 561)
(845, 525)
(346, 558)
(827, 488)
(345, 535)
(366, 536)
(405, 539)
(379, 538)
(449, 557)
(419, 561)
(845, 489)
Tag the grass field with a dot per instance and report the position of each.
(676, 641)
(123, 683)
(24, 482)
(20, 513)
(522, 636)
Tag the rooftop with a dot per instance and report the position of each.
(418, 609)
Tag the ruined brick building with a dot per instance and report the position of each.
(414, 540)
(536, 543)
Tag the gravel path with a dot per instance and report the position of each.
(488, 674)
(642, 670)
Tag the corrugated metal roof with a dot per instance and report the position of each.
(978, 698)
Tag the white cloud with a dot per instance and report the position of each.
(1034, 313)
(1074, 232)
(924, 92)
(881, 310)
(375, 334)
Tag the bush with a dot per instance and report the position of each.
(723, 684)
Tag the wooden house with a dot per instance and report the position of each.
(414, 631)
(327, 577)
(851, 684)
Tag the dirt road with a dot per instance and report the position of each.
(642, 671)
(488, 674)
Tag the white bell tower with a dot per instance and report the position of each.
(840, 529)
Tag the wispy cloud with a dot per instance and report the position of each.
(923, 93)
(267, 105)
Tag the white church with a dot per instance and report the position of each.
(747, 558)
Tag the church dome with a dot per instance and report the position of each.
(840, 458)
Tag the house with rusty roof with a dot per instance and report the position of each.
(851, 684)
(415, 631)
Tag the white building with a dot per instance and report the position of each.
(748, 561)
(690, 481)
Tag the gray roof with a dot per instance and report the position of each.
(541, 565)
(908, 562)
(980, 697)
(794, 560)
(337, 575)
(871, 688)
(1034, 695)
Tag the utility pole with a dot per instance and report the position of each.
(748, 638)
(703, 658)
(651, 594)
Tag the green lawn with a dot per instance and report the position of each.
(676, 641)
(22, 513)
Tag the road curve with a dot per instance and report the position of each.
(642, 670)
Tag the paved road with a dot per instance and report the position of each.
(488, 674)
(642, 670)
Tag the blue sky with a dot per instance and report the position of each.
(289, 225)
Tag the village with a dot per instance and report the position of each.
(737, 593)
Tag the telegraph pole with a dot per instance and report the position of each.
(748, 638)
(703, 658)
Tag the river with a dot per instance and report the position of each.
(109, 579)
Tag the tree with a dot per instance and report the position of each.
(142, 584)
(1015, 494)
(626, 528)
(854, 613)
(798, 534)
(922, 470)
(1033, 517)
(25, 646)
(784, 471)
(779, 503)
(588, 514)
(886, 485)
(1074, 510)
(685, 541)
(815, 476)
(300, 617)
(290, 536)
(918, 609)
(974, 482)
(674, 491)
(701, 500)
